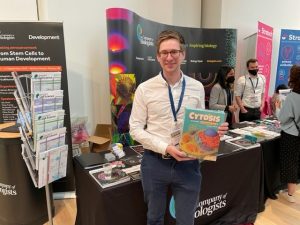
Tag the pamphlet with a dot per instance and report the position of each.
(42, 130)
(199, 137)
(52, 165)
(139, 149)
(242, 142)
(282, 96)
(50, 139)
(45, 81)
(136, 175)
(47, 101)
(117, 177)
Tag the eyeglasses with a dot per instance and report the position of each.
(174, 53)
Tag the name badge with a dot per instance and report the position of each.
(175, 135)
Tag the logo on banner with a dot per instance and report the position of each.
(281, 75)
(6, 189)
(284, 36)
(172, 207)
(287, 52)
(208, 206)
(7, 36)
(144, 40)
(266, 32)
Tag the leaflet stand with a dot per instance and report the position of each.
(42, 119)
(48, 199)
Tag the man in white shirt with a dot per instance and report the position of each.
(156, 118)
(249, 92)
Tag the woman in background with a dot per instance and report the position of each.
(289, 116)
(221, 95)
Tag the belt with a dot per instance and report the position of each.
(160, 156)
(248, 108)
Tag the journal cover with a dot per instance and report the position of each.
(199, 137)
(242, 142)
(117, 177)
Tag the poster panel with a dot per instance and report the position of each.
(264, 52)
(25, 48)
(289, 54)
(132, 50)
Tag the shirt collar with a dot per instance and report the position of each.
(176, 84)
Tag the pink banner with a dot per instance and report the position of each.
(264, 54)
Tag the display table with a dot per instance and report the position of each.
(271, 167)
(20, 201)
(271, 161)
(231, 193)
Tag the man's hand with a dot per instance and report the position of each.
(178, 155)
(261, 108)
(222, 129)
(243, 110)
(277, 104)
(232, 108)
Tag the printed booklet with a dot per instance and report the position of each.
(117, 177)
(243, 142)
(199, 137)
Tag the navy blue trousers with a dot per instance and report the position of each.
(184, 179)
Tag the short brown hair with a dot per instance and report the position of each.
(294, 80)
(251, 61)
(170, 34)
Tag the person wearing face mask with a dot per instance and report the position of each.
(249, 93)
(221, 95)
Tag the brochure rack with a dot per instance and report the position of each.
(41, 119)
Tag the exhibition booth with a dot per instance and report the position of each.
(36, 157)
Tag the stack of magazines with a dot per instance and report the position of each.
(41, 119)
(117, 176)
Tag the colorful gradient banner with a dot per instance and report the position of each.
(132, 52)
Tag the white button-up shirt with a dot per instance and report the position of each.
(250, 93)
(151, 119)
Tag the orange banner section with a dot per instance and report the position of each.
(30, 68)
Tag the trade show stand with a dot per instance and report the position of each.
(232, 192)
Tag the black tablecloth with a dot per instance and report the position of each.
(20, 201)
(272, 182)
(231, 193)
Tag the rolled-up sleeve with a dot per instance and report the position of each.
(239, 86)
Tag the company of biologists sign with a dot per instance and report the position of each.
(27, 47)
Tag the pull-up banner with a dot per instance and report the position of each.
(132, 58)
(27, 48)
(264, 51)
(289, 54)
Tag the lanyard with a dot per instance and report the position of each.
(253, 88)
(172, 100)
(229, 97)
